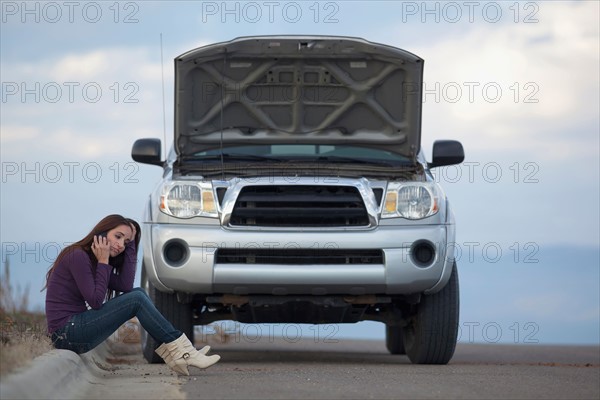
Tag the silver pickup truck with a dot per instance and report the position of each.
(297, 191)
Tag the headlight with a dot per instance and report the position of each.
(413, 200)
(187, 200)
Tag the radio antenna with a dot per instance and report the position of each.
(221, 116)
(162, 74)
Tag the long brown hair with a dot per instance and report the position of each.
(106, 224)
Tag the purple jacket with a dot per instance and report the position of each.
(73, 283)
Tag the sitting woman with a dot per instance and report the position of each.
(81, 307)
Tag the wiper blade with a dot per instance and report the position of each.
(233, 156)
(352, 160)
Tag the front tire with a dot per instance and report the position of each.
(432, 330)
(180, 315)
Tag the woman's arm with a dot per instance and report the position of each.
(123, 282)
(93, 287)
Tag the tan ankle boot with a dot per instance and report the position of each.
(181, 353)
(179, 366)
(204, 350)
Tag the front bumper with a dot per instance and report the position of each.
(199, 272)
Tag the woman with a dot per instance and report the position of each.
(82, 311)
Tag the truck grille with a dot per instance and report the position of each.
(299, 256)
(299, 206)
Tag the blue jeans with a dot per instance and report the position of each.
(87, 330)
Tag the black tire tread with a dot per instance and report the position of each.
(435, 326)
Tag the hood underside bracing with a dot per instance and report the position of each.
(298, 90)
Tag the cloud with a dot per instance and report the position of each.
(19, 133)
(508, 86)
(88, 66)
(90, 104)
(78, 106)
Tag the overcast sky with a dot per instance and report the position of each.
(516, 82)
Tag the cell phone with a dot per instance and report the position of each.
(103, 234)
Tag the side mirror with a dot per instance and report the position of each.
(446, 152)
(147, 151)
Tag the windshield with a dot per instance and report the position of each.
(305, 152)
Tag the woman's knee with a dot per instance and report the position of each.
(138, 295)
(139, 290)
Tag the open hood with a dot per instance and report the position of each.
(298, 90)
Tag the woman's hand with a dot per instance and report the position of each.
(101, 249)
(133, 233)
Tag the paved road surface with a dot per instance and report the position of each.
(356, 369)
